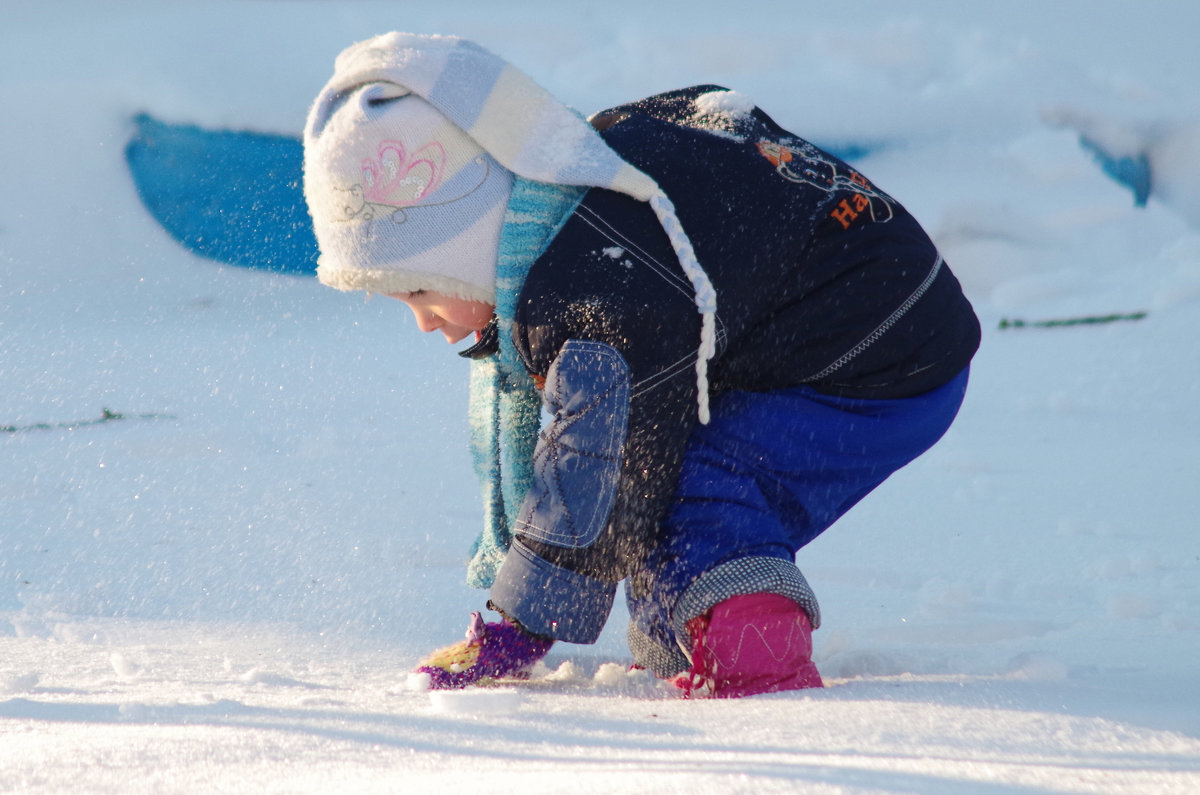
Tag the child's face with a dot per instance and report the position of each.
(456, 318)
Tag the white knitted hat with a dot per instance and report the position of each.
(402, 199)
(500, 109)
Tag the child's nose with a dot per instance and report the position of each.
(427, 321)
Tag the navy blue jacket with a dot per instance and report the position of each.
(821, 279)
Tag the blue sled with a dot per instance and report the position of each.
(232, 196)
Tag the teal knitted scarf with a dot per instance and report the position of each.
(504, 410)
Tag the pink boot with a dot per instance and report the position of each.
(758, 643)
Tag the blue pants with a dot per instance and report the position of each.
(767, 475)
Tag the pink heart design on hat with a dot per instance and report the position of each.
(399, 179)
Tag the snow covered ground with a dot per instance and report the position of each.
(223, 589)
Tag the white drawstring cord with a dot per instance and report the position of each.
(706, 295)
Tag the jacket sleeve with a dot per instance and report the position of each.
(615, 339)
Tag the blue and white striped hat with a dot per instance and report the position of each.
(443, 234)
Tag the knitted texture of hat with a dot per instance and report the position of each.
(518, 123)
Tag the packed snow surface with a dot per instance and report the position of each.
(235, 507)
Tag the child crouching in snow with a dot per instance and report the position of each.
(698, 341)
